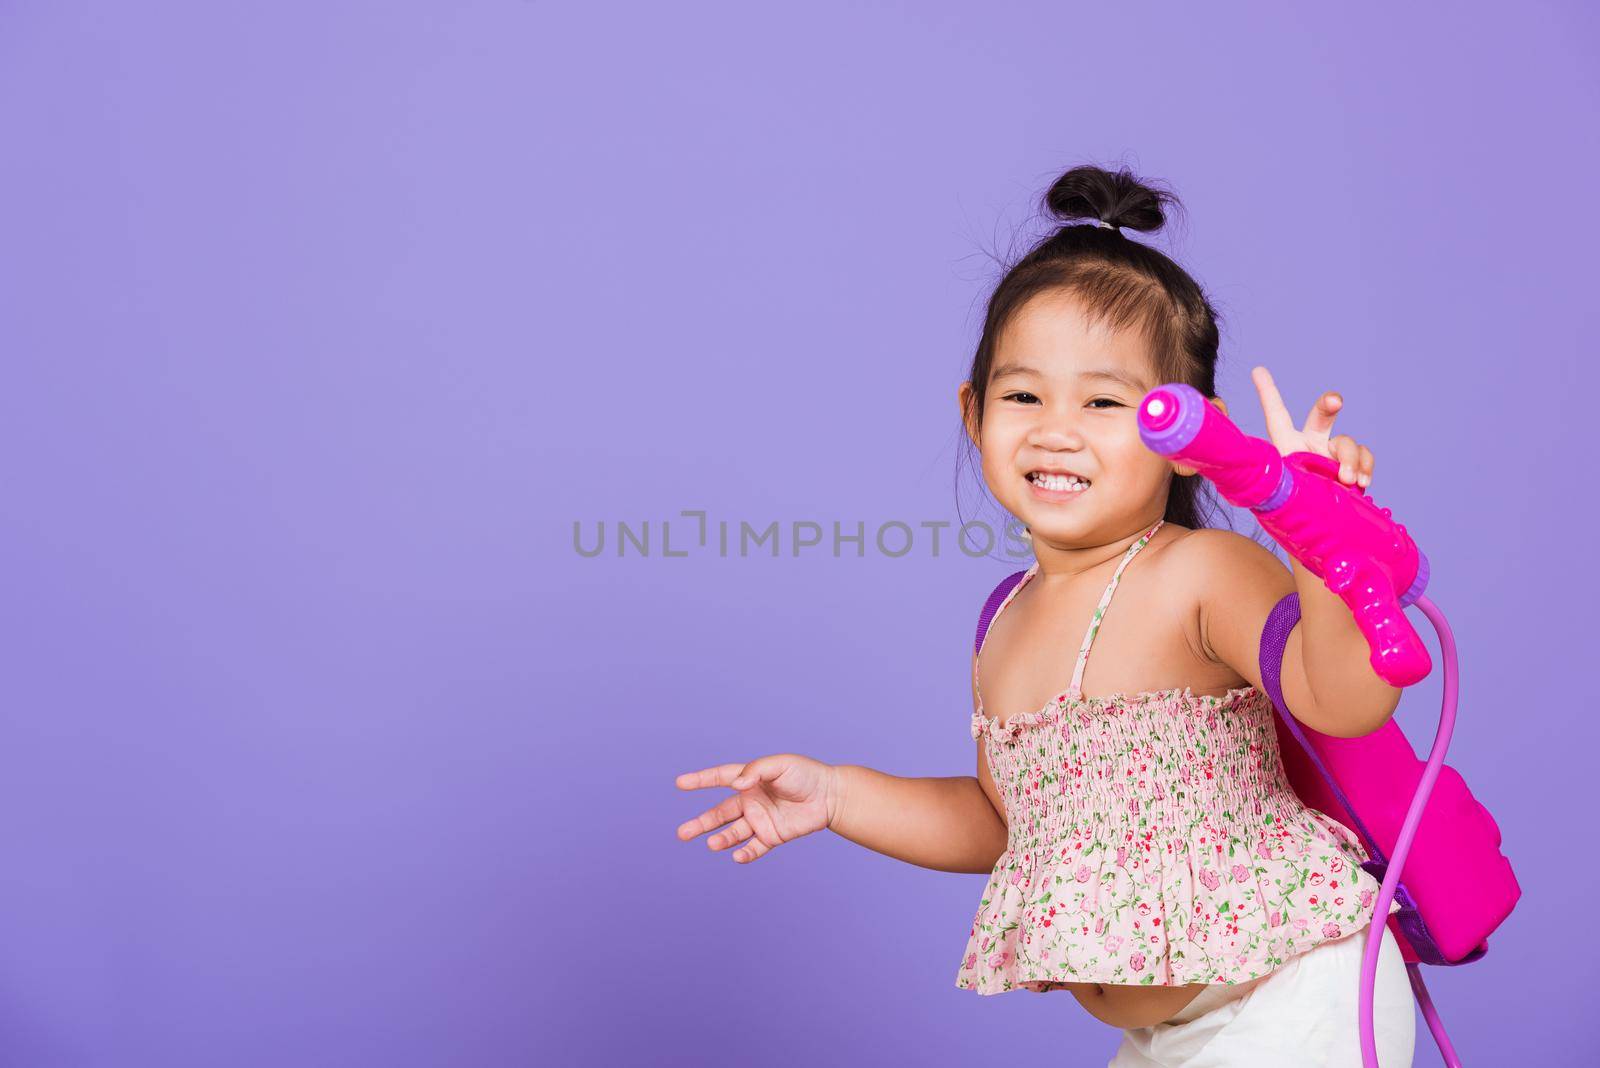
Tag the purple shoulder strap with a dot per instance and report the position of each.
(992, 606)
(1274, 641)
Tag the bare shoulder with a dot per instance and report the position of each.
(1198, 564)
(1236, 582)
(1208, 554)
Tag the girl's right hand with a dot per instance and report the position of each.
(781, 798)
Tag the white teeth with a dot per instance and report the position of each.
(1058, 482)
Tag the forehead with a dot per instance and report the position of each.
(1051, 337)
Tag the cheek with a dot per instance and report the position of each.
(998, 470)
(1132, 469)
(1130, 455)
(1000, 448)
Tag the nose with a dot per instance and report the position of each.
(1055, 435)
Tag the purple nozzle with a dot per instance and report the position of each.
(1170, 416)
(1159, 410)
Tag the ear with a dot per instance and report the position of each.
(966, 398)
(1185, 469)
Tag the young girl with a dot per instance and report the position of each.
(1144, 848)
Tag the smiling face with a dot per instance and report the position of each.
(1062, 400)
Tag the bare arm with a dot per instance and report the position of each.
(947, 824)
(943, 824)
(1328, 683)
(1336, 662)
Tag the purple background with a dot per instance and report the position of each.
(324, 323)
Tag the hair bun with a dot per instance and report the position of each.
(1119, 198)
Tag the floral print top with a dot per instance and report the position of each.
(1153, 839)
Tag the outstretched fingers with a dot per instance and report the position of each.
(740, 777)
(1279, 424)
(753, 850)
(730, 808)
(1319, 421)
(731, 835)
(721, 775)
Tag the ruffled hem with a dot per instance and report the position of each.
(1005, 979)
(1163, 912)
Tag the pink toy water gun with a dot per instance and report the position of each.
(1461, 885)
(1334, 530)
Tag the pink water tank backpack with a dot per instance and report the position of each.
(1457, 886)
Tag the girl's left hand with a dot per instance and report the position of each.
(1355, 461)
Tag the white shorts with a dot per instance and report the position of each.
(1307, 1013)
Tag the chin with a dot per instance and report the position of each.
(1055, 529)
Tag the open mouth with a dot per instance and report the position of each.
(1057, 484)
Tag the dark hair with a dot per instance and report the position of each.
(1121, 282)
